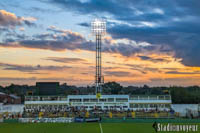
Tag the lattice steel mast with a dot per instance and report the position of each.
(98, 30)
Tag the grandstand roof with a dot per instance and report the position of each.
(45, 102)
(94, 96)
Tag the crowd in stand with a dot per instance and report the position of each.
(52, 111)
(10, 115)
(66, 111)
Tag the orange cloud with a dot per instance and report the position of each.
(11, 20)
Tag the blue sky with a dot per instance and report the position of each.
(160, 37)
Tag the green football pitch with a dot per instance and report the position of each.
(77, 128)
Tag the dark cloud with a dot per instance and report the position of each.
(29, 68)
(66, 60)
(179, 31)
(84, 24)
(61, 40)
(13, 36)
(43, 10)
(153, 59)
(56, 30)
(56, 42)
(37, 73)
(17, 78)
(44, 36)
(125, 49)
(174, 24)
(94, 6)
(177, 72)
(118, 73)
(171, 69)
(132, 10)
(34, 79)
(3, 29)
(29, 23)
(184, 43)
(144, 69)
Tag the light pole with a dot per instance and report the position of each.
(98, 27)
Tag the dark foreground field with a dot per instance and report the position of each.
(77, 128)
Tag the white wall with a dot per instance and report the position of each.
(17, 108)
(183, 108)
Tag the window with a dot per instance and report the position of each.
(86, 100)
(35, 98)
(133, 105)
(133, 97)
(161, 97)
(145, 105)
(28, 99)
(153, 97)
(110, 99)
(121, 99)
(151, 105)
(75, 100)
(94, 100)
(143, 97)
(63, 98)
(167, 98)
(141, 105)
(102, 100)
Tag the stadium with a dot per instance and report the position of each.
(94, 107)
(87, 113)
(45, 111)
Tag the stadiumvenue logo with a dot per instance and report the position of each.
(169, 127)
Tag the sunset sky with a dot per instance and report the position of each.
(149, 42)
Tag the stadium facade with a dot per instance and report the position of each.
(98, 101)
(110, 102)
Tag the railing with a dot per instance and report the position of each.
(45, 98)
(159, 97)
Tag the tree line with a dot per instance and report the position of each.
(179, 94)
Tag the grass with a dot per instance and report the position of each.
(76, 128)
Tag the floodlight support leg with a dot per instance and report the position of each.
(98, 77)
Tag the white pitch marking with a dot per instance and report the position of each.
(100, 127)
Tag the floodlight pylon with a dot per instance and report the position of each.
(98, 30)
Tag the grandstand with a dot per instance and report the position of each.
(117, 102)
(90, 106)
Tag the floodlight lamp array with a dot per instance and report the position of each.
(98, 27)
